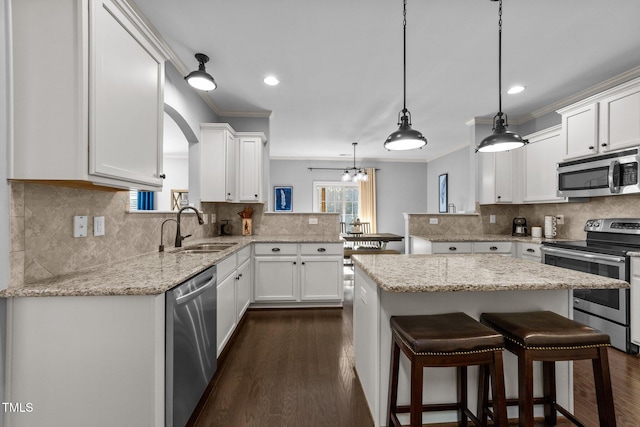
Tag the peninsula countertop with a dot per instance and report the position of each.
(472, 273)
(149, 274)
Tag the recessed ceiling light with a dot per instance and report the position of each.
(271, 80)
(515, 89)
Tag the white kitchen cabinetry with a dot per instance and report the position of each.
(291, 274)
(95, 115)
(250, 166)
(497, 177)
(635, 300)
(234, 293)
(231, 164)
(76, 358)
(529, 251)
(620, 118)
(501, 248)
(217, 170)
(451, 248)
(539, 162)
(424, 246)
(604, 122)
(322, 269)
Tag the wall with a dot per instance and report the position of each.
(4, 186)
(456, 166)
(400, 187)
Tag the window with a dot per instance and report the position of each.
(337, 197)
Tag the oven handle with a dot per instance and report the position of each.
(583, 255)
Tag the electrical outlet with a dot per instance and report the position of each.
(559, 219)
(492, 219)
(98, 226)
(80, 226)
(433, 220)
(313, 221)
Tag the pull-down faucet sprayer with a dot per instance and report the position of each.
(179, 237)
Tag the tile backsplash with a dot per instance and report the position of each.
(43, 246)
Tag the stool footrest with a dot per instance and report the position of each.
(433, 407)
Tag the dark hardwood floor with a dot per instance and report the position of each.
(294, 368)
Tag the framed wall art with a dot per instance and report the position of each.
(443, 192)
(283, 198)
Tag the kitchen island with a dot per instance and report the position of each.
(391, 285)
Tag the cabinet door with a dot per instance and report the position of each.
(452, 247)
(541, 156)
(216, 148)
(496, 177)
(580, 131)
(226, 311)
(321, 278)
(243, 289)
(250, 169)
(276, 278)
(635, 300)
(620, 120)
(230, 167)
(126, 99)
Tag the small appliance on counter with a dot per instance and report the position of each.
(519, 226)
(225, 229)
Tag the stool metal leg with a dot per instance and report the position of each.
(604, 394)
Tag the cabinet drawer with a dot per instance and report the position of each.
(529, 250)
(452, 247)
(321, 249)
(276, 249)
(493, 247)
(226, 267)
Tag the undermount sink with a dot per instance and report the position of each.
(206, 248)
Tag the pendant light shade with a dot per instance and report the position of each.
(501, 139)
(200, 79)
(405, 138)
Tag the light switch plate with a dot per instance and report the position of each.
(313, 221)
(98, 226)
(80, 226)
(433, 220)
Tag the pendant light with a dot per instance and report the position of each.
(359, 174)
(405, 138)
(501, 139)
(200, 79)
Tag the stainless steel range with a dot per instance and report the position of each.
(604, 252)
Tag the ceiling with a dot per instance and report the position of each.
(340, 64)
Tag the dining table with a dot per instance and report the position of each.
(378, 240)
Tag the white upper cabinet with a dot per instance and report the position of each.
(231, 164)
(88, 94)
(539, 161)
(604, 122)
(496, 177)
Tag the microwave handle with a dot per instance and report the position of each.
(614, 171)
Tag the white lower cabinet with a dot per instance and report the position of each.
(460, 247)
(298, 274)
(529, 251)
(635, 300)
(234, 294)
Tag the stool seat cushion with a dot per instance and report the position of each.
(445, 333)
(541, 329)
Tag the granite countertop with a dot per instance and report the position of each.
(459, 273)
(484, 238)
(149, 274)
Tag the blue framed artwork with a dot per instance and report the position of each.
(282, 200)
(443, 192)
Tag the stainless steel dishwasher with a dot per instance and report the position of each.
(190, 345)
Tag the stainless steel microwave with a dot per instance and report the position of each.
(603, 175)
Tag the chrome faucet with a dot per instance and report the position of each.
(179, 237)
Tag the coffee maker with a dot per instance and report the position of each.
(519, 226)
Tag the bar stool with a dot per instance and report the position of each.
(445, 340)
(548, 337)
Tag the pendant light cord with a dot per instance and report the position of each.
(500, 59)
(404, 57)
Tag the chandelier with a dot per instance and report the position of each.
(354, 174)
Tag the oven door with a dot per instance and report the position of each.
(610, 304)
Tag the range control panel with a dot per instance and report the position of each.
(614, 225)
